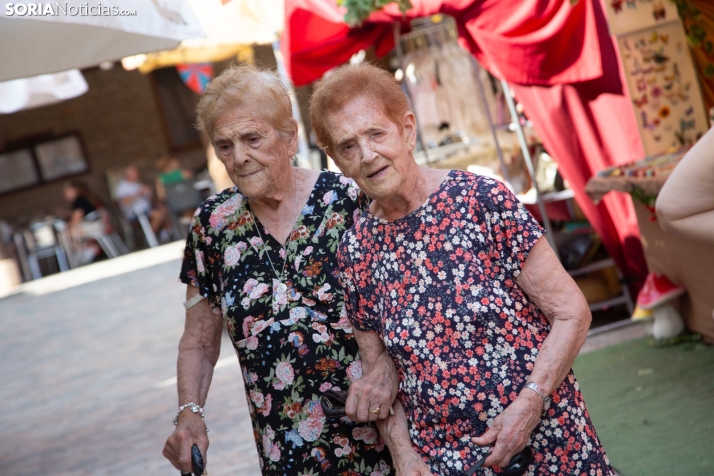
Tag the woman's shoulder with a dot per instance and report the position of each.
(336, 179)
(479, 184)
(470, 178)
(336, 186)
(219, 198)
(478, 192)
(215, 209)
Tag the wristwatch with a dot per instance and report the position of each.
(547, 398)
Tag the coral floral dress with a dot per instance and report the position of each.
(438, 286)
(292, 343)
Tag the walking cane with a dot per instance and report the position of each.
(196, 462)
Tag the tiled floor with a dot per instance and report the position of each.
(83, 380)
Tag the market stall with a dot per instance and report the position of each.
(666, 83)
(558, 57)
(684, 261)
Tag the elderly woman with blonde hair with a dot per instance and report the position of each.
(261, 258)
(447, 275)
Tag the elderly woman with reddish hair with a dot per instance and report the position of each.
(261, 258)
(448, 276)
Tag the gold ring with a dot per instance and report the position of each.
(376, 410)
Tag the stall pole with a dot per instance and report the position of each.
(396, 30)
(529, 164)
(484, 102)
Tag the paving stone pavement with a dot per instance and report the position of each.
(84, 381)
(87, 374)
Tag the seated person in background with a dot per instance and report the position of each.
(82, 203)
(135, 198)
(170, 172)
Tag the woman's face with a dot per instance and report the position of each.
(172, 164)
(371, 149)
(70, 194)
(255, 155)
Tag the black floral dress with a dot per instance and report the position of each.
(438, 286)
(295, 341)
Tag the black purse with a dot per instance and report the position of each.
(333, 403)
(516, 467)
(196, 462)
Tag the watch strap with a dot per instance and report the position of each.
(538, 389)
(547, 398)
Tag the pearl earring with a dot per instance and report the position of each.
(411, 144)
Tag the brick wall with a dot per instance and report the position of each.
(119, 122)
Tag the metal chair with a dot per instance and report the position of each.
(39, 241)
(114, 176)
(180, 198)
(97, 226)
(144, 223)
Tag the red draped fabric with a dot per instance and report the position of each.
(561, 62)
(540, 42)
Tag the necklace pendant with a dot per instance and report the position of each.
(280, 295)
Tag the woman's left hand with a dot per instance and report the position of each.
(511, 430)
(554, 292)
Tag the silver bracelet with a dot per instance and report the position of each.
(194, 408)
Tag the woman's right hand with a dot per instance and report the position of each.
(410, 464)
(405, 459)
(189, 430)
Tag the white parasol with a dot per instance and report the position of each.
(26, 93)
(50, 37)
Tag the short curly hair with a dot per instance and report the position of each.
(247, 85)
(348, 82)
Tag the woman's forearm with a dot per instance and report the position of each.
(395, 432)
(194, 374)
(198, 352)
(380, 381)
(560, 348)
(558, 297)
(199, 349)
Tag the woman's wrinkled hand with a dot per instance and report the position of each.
(511, 430)
(190, 429)
(376, 389)
(409, 463)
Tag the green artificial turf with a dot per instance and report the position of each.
(653, 407)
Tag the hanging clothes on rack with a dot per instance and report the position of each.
(442, 84)
(421, 82)
(459, 80)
